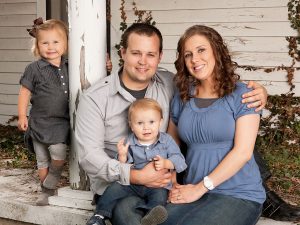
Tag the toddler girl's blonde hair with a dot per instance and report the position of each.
(51, 24)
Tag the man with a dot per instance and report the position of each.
(102, 112)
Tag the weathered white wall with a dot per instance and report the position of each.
(254, 30)
(15, 17)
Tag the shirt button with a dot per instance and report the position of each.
(61, 76)
(66, 92)
(64, 84)
(59, 69)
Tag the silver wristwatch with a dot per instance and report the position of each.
(208, 183)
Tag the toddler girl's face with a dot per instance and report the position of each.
(145, 125)
(52, 45)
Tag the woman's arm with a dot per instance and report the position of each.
(241, 153)
(172, 130)
(244, 141)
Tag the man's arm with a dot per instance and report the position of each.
(257, 97)
(150, 177)
(90, 133)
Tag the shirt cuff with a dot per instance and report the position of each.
(125, 173)
(179, 164)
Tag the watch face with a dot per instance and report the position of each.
(208, 183)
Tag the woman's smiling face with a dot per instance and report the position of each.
(199, 57)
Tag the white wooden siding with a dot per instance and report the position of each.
(18, 43)
(271, 14)
(242, 44)
(203, 4)
(15, 45)
(14, 9)
(254, 30)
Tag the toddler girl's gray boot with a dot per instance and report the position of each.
(43, 197)
(53, 176)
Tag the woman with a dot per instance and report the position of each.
(222, 184)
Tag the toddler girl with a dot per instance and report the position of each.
(45, 83)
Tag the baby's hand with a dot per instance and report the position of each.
(159, 162)
(122, 149)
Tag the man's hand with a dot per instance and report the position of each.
(108, 63)
(257, 97)
(150, 177)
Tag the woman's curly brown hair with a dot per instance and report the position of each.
(224, 70)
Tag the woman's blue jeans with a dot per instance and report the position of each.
(211, 209)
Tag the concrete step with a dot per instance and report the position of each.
(67, 197)
(42, 215)
(19, 190)
(71, 203)
(82, 200)
(69, 193)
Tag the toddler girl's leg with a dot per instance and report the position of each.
(110, 197)
(43, 158)
(214, 209)
(58, 156)
(43, 162)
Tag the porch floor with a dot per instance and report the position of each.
(18, 192)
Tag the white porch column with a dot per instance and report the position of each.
(87, 53)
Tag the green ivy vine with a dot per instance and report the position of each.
(281, 128)
(279, 137)
(142, 16)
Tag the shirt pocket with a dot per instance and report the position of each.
(161, 151)
(116, 128)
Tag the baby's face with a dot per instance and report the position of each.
(145, 125)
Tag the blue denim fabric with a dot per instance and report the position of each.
(211, 209)
(125, 212)
(115, 192)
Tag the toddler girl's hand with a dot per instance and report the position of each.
(23, 123)
(159, 162)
